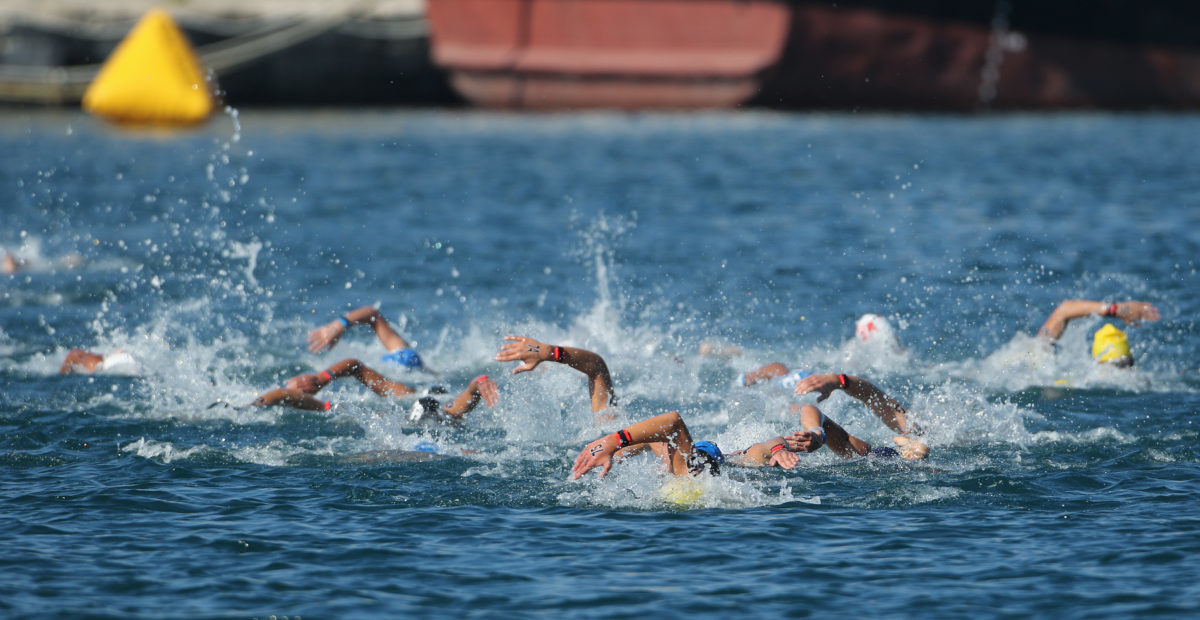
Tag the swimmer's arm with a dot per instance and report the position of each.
(326, 336)
(773, 452)
(1067, 311)
(349, 367)
(370, 378)
(892, 413)
(286, 397)
(833, 437)
(531, 353)
(1130, 312)
(481, 388)
(770, 371)
(668, 428)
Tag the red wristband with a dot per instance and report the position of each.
(328, 405)
(842, 380)
(623, 438)
(777, 448)
(557, 351)
(480, 379)
(1112, 310)
(328, 376)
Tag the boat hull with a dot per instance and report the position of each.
(607, 53)
(802, 54)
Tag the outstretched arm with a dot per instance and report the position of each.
(667, 428)
(883, 406)
(823, 431)
(326, 336)
(762, 373)
(772, 452)
(350, 367)
(482, 388)
(530, 353)
(290, 398)
(1131, 312)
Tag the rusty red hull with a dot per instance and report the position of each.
(637, 54)
(607, 53)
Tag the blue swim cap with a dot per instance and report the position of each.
(404, 357)
(710, 449)
(883, 452)
(706, 455)
(426, 446)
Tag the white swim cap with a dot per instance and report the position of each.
(872, 327)
(120, 362)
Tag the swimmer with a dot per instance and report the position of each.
(531, 353)
(716, 349)
(785, 378)
(324, 338)
(11, 264)
(870, 330)
(874, 330)
(81, 361)
(669, 437)
(1109, 345)
(299, 392)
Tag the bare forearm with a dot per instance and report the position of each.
(465, 402)
(589, 363)
(1066, 312)
(883, 406)
(370, 315)
(667, 427)
(841, 441)
(290, 398)
(759, 454)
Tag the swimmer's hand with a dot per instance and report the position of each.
(910, 448)
(1134, 312)
(227, 405)
(526, 350)
(803, 441)
(599, 453)
(324, 337)
(825, 384)
(487, 390)
(309, 384)
(784, 458)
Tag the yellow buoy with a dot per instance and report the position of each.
(153, 77)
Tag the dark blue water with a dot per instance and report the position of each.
(1055, 488)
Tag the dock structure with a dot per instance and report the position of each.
(266, 52)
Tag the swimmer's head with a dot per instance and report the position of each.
(120, 362)
(874, 328)
(1110, 346)
(426, 408)
(706, 456)
(406, 358)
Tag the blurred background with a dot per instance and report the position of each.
(937, 55)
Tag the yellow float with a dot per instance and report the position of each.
(153, 78)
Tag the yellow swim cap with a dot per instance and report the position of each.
(1109, 345)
